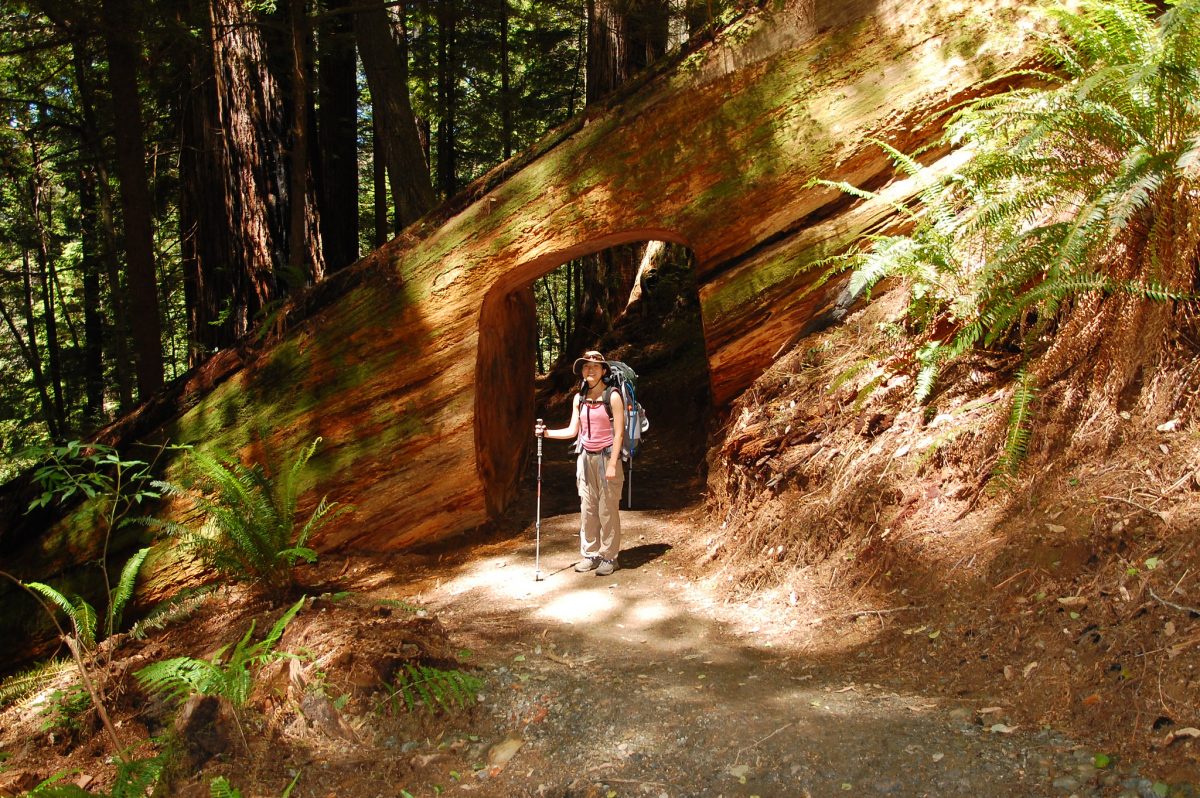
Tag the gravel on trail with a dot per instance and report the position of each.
(647, 683)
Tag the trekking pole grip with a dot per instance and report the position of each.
(541, 435)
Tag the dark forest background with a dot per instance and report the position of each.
(171, 170)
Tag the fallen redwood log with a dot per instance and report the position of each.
(416, 364)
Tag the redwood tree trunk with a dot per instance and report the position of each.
(93, 329)
(337, 79)
(605, 50)
(447, 81)
(234, 208)
(506, 122)
(105, 249)
(306, 264)
(385, 63)
(146, 328)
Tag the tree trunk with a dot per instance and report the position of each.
(447, 16)
(385, 63)
(337, 79)
(607, 277)
(623, 38)
(46, 283)
(506, 123)
(135, 196)
(306, 264)
(605, 50)
(233, 207)
(29, 348)
(646, 31)
(379, 184)
(93, 329)
(106, 239)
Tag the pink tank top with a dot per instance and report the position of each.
(595, 427)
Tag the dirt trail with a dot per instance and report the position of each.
(643, 683)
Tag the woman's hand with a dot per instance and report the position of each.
(539, 429)
(610, 473)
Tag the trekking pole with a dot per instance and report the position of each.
(629, 500)
(537, 556)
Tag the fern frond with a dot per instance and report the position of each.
(24, 684)
(1020, 420)
(179, 677)
(125, 585)
(176, 608)
(220, 787)
(81, 614)
(138, 777)
(433, 689)
(277, 630)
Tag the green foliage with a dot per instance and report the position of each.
(251, 531)
(124, 592)
(176, 608)
(24, 684)
(135, 778)
(433, 689)
(1079, 192)
(220, 787)
(65, 710)
(1020, 422)
(81, 614)
(231, 677)
(114, 486)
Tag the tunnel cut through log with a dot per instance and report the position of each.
(504, 366)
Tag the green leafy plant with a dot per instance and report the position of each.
(231, 677)
(115, 486)
(1069, 236)
(135, 778)
(220, 787)
(433, 689)
(251, 531)
(65, 711)
(81, 614)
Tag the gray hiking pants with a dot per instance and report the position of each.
(599, 499)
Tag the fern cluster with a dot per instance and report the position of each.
(231, 677)
(134, 779)
(82, 615)
(434, 689)
(1076, 212)
(251, 530)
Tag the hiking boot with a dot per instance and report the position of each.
(606, 567)
(588, 564)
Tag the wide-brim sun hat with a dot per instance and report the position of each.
(591, 356)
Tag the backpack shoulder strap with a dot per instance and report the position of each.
(608, 389)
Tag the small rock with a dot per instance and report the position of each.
(1065, 783)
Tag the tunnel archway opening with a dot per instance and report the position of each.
(637, 301)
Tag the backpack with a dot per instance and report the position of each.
(624, 379)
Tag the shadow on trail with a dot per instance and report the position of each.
(637, 556)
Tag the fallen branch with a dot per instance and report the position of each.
(757, 742)
(1006, 581)
(856, 613)
(1141, 507)
(1173, 605)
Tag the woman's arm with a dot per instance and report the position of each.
(618, 411)
(564, 433)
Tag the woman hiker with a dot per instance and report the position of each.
(598, 471)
